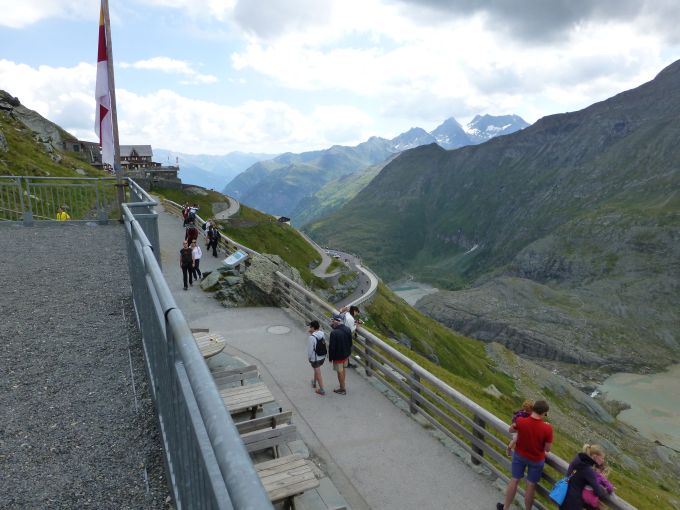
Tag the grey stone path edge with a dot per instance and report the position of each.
(77, 424)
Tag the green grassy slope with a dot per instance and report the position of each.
(25, 156)
(334, 195)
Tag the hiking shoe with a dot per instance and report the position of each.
(499, 506)
(321, 392)
(340, 391)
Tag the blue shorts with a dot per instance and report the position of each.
(534, 468)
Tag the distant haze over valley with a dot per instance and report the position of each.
(207, 170)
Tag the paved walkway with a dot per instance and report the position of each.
(376, 455)
(234, 206)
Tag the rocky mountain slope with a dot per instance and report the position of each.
(562, 239)
(32, 145)
(285, 184)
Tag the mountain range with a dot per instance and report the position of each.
(209, 171)
(286, 184)
(560, 240)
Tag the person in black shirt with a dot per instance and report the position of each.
(186, 263)
(339, 350)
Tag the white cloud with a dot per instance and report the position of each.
(172, 66)
(168, 120)
(26, 12)
(458, 61)
(208, 9)
(63, 95)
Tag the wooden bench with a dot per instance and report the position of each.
(210, 343)
(286, 477)
(267, 432)
(249, 397)
(224, 376)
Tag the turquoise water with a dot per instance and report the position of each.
(654, 401)
(411, 290)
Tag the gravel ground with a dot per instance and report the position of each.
(77, 424)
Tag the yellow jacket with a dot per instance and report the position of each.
(63, 216)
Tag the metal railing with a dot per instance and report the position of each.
(207, 464)
(28, 198)
(477, 431)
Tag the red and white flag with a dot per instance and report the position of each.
(103, 124)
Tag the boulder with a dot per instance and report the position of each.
(232, 280)
(211, 282)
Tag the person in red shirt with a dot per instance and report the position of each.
(534, 439)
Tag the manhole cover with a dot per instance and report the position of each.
(278, 330)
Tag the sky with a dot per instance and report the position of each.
(272, 76)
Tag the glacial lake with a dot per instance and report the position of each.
(654, 401)
(411, 290)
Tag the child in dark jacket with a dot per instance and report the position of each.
(524, 411)
(582, 474)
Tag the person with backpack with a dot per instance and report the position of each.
(191, 214)
(316, 354)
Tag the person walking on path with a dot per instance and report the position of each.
(191, 233)
(534, 440)
(582, 474)
(213, 239)
(186, 263)
(62, 215)
(339, 350)
(196, 254)
(316, 354)
(185, 214)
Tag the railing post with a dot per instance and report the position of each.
(415, 392)
(28, 215)
(367, 354)
(478, 435)
(101, 208)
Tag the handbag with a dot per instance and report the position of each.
(559, 491)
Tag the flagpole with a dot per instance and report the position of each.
(117, 168)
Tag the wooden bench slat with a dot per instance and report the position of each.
(271, 421)
(224, 376)
(245, 397)
(286, 477)
(278, 495)
(270, 438)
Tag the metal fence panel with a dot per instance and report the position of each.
(207, 463)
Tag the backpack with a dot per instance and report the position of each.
(192, 215)
(320, 347)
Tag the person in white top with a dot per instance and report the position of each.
(316, 354)
(350, 320)
(196, 254)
